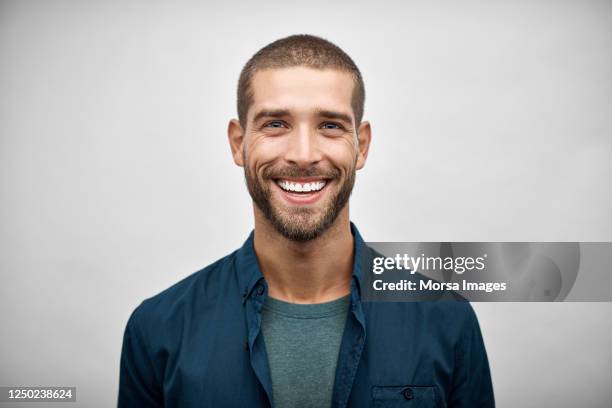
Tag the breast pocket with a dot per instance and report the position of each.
(408, 396)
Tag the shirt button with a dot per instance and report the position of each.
(407, 393)
(260, 290)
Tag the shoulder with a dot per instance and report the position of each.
(458, 312)
(447, 308)
(172, 303)
(449, 320)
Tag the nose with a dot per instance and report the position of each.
(303, 148)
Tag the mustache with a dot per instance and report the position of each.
(297, 172)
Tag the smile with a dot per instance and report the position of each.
(301, 187)
(302, 191)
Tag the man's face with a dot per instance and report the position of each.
(300, 148)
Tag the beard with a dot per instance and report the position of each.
(299, 224)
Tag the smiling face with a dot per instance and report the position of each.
(300, 148)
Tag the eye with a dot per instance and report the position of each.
(331, 125)
(275, 124)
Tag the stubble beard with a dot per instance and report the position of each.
(299, 224)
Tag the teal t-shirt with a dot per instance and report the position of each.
(302, 342)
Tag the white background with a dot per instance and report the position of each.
(491, 121)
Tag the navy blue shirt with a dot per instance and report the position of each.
(199, 344)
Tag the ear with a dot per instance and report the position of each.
(364, 136)
(235, 136)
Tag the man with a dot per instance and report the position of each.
(280, 322)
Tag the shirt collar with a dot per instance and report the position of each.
(249, 273)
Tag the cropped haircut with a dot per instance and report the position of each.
(299, 50)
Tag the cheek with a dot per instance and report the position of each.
(263, 151)
(340, 152)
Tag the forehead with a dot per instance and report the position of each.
(302, 88)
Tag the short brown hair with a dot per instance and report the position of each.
(299, 50)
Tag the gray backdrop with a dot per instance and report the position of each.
(492, 122)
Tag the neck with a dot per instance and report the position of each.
(314, 271)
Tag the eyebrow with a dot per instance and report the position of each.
(335, 115)
(327, 114)
(275, 113)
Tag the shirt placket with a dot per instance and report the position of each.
(351, 348)
(257, 350)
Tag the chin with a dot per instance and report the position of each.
(301, 225)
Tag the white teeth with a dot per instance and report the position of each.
(301, 187)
